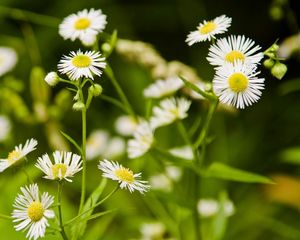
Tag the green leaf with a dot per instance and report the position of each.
(291, 155)
(79, 229)
(71, 140)
(220, 170)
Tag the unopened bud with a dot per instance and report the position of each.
(279, 70)
(95, 90)
(106, 47)
(78, 106)
(52, 78)
(269, 63)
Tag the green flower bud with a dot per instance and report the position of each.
(78, 106)
(106, 47)
(279, 70)
(269, 63)
(95, 90)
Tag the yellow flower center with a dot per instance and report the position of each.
(234, 55)
(208, 27)
(124, 174)
(82, 23)
(35, 211)
(81, 61)
(59, 170)
(13, 156)
(238, 82)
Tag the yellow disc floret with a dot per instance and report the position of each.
(81, 61)
(124, 174)
(59, 170)
(238, 82)
(35, 211)
(234, 56)
(13, 156)
(82, 23)
(208, 27)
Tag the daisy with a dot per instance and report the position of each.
(143, 139)
(5, 127)
(65, 165)
(169, 110)
(208, 29)
(232, 49)
(84, 25)
(126, 125)
(96, 144)
(81, 64)
(32, 211)
(125, 177)
(237, 84)
(8, 59)
(162, 88)
(18, 154)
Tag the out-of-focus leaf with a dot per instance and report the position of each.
(55, 139)
(71, 140)
(38, 87)
(220, 170)
(220, 220)
(289, 86)
(291, 155)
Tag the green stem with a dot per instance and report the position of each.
(62, 230)
(6, 217)
(183, 132)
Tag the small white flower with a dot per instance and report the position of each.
(185, 152)
(32, 211)
(232, 49)
(143, 139)
(161, 182)
(82, 64)
(5, 127)
(210, 207)
(161, 88)
(96, 144)
(208, 29)
(125, 177)
(84, 25)
(174, 173)
(152, 230)
(116, 147)
(65, 165)
(52, 78)
(18, 154)
(8, 59)
(126, 125)
(237, 85)
(169, 110)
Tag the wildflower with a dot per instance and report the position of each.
(208, 29)
(65, 165)
(125, 177)
(32, 211)
(169, 110)
(84, 25)
(5, 127)
(126, 125)
(81, 64)
(52, 78)
(18, 154)
(210, 207)
(96, 144)
(143, 139)
(162, 88)
(8, 59)
(237, 84)
(232, 49)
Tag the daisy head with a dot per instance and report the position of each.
(169, 110)
(8, 59)
(208, 29)
(142, 142)
(18, 154)
(125, 177)
(64, 166)
(162, 88)
(237, 84)
(31, 211)
(82, 64)
(84, 25)
(234, 48)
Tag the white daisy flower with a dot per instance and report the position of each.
(84, 25)
(32, 211)
(65, 165)
(125, 125)
(208, 29)
(5, 127)
(168, 111)
(210, 207)
(161, 88)
(82, 64)
(237, 84)
(18, 154)
(125, 177)
(8, 59)
(143, 139)
(96, 144)
(234, 48)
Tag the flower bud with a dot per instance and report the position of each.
(269, 63)
(279, 70)
(106, 47)
(95, 90)
(52, 78)
(78, 106)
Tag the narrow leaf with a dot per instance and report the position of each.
(71, 140)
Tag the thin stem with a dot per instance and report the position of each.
(62, 230)
(6, 217)
(183, 132)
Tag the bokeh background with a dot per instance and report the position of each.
(264, 138)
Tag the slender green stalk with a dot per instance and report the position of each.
(183, 132)
(62, 230)
(6, 217)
